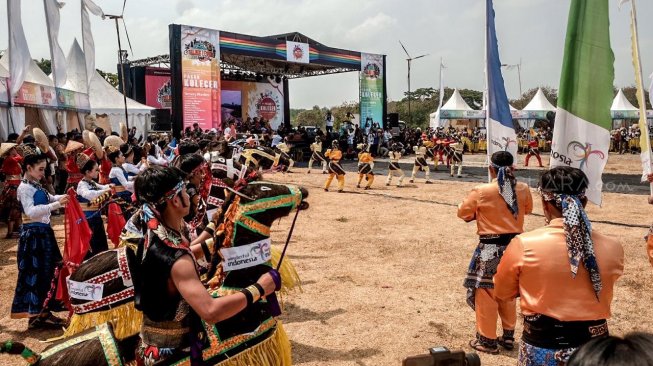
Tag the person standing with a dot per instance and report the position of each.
(365, 166)
(533, 150)
(563, 273)
(38, 255)
(420, 162)
(329, 122)
(335, 170)
(499, 208)
(317, 155)
(10, 208)
(396, 151)
(87, 192)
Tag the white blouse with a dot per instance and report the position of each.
(157, 161)
(36, 213)
(84, 190)
(134, 169)
(118, 173)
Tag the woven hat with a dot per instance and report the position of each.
(124, 134)
(73, 146)
(5, 147)
(81, 160)
(113, 140)
(40, 138)
(94, 143)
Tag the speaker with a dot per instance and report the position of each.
(393, 120)
(160, 120)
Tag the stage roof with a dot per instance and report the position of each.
(267, 56)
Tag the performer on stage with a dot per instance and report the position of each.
(393, 168)
(38, 256)
(563, 273)
(317, 155)
(87, 191)
(365, 166)
(455, 156)
(420, 162)
(533, 150)
(10, 207)
(498, 208)
(169, 291)
(335, 170)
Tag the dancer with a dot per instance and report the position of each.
(87, 192)
(420, 162)
(365, 166)
(10, 207)
(317, 155)
(455, 155)
(397, 149)
(533, 150)
(38, 256)
(564, 273)
(335, 170)
(498, 208)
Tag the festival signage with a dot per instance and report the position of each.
(262, 100)
(31, 94)
(445, 114)
(371, 88)
(158, 89)
(68, 99)
(200, 73)
(528, 114)
(297, 52)
(4, 92)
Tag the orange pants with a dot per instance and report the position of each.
(488, 310)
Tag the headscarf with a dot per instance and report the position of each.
(578, 232)
(507, 184)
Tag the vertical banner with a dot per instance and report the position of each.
(372, 89)
(200, 73)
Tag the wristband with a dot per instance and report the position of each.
(248, 296)
(256, 294)
(259, 288)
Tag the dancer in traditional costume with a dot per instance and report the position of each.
(498, 208)
(455, 156)
(169, 291)
(438, 151)
(317, 155)
(38, 256)
(563, 273)
(365, 166)
(396, 149)
(199, 184)
(123, 187)
(283, 150)
(420, 163)
(87, 192)
(10, 209)
(335, 170)
(533, 150)
(74, 176)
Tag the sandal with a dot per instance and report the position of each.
(478, 346)
(507, 342)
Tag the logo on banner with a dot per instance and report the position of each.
(372, 71)
(504, 144)
(85, 290)
(246, 256)
(583, 152)
(199, 50)
(164, 95)
(297, 52)
(268, 105)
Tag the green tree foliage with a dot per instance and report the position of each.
(45, 66)
(110, 77)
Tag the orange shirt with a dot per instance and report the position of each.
(334, 155)
(649, 247)
(486, 205)
(535, 266)
(365, 157)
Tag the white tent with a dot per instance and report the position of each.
(455, 103)
(4, 112)
(539, 103)
(103, 97)
(36, 117)
(620, 103)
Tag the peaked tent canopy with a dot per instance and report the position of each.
(76, 69)
(620, 103)
(539, 103)
(456, 103)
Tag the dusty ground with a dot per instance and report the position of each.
(383, 269)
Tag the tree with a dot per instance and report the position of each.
(631, 94)
(45, 66)
(109, 77)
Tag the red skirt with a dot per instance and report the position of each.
(9, 206)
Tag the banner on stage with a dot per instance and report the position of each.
(200, 69)
(242, 99)
(158, 90)
(298, 52)
(371, 89)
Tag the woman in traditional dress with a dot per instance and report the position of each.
(38, 255)
(87, 191)
(9, 207)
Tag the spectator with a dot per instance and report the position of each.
(633, 349)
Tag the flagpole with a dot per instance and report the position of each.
(487, 97)
(642, 107)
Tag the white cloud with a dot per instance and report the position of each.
(371, 27)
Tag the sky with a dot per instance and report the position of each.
(532, 31)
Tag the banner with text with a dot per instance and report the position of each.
(200, 69)
(371, 89)
(158, 90)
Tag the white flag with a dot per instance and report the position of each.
(87, 36)
(19, 56)
(437, 122)
(58, 59)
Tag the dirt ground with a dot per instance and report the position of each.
(382, 270)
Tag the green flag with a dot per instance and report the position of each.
(581, 136)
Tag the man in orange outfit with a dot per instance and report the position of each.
(564, 273)
(365, 166)
(499, 208)
(335, 170)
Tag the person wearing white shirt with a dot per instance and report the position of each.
(38, 255)
(129, 166)
(87, 192)
(154, 158)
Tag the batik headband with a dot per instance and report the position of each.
(507, 187)
(578, 233)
